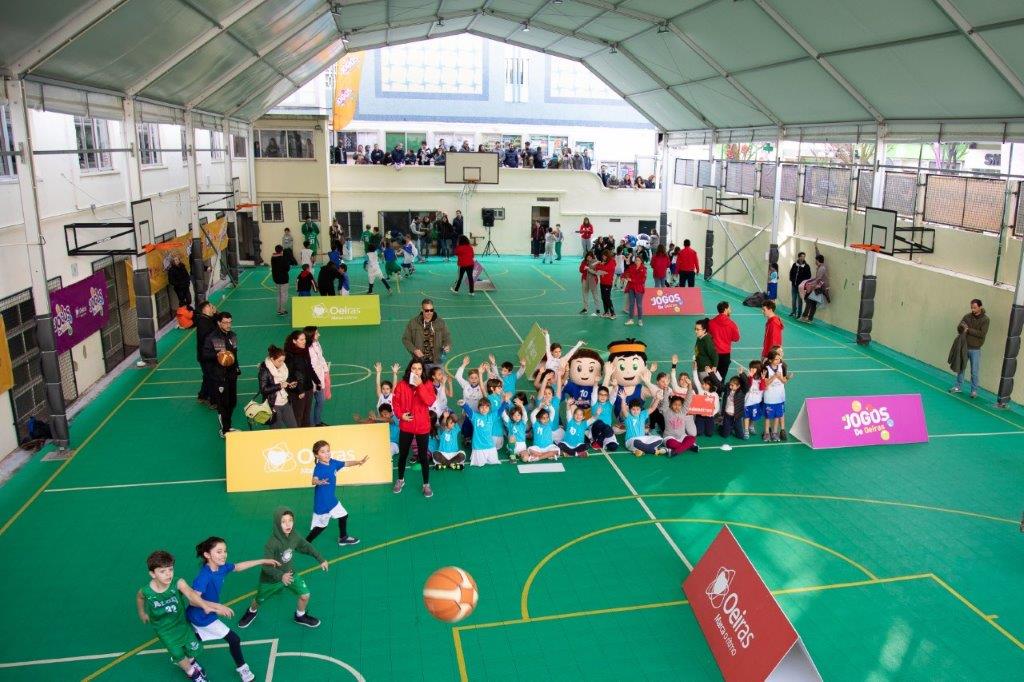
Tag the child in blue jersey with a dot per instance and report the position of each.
(515, 425)
(483, 417)
(213, 552)
(343, 288)
(409, 253)
(508, 374)
(635, 417)
(496, 397)
(391, 266)
(548, 396)
(574, 442)
(445, 448)
(602, 415)
(543, 436)
(326, 505)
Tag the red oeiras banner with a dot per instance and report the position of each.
(852, 421)
(748, 633)
(673, 301)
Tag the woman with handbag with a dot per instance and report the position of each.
(322, 370)
(274, 385)
(303, 379)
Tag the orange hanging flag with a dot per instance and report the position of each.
(348, 72)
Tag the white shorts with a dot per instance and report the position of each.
(498, 441)
(646, 440)
(518, 446)
(215, 630)
(449, 456)
(394, 448)
(546, 448)
(322, 520)
(479, 458)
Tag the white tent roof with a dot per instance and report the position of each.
(684, 64)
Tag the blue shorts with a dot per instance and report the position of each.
(775, 410)
(754, 412)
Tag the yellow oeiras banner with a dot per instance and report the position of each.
(283, 458)
(348, 72)
(335, 311)
(533, 348)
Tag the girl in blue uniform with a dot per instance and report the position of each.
(635, 417)
(543, 439)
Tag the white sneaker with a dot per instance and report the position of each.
(245, 673)
(629, 322)
(452, 289)
(641, 323)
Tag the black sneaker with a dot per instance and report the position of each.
(583, 312)
(694, 448)
(307, 620)
(348, 540)
(783, 436)
(248, 617)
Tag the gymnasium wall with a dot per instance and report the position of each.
(569, 194)
(918, 304)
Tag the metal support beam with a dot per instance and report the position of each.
(249, 61)
(773, 246)
(782, 23)
(339, 51)
(979, 42)
(868, 286)
(198, 267)
(22, 129)
(1013, 336)
(657, 79)
(878, 179)
(232, 216)
(188, 50)
(665, 183)
(80, 21)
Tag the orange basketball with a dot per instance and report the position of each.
(450, 594)
(226, 358)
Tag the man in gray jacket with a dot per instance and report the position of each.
(975, 325)
(426, 336)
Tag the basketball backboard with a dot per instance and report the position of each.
(880, 228)
(145, 224)
(478, 167)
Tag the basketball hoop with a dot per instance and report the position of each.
(867, 247)
(705, 211)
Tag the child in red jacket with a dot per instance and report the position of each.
(636, 277)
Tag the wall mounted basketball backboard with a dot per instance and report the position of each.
(880, 228)
(145, 223)
(472, 167)
(101, 239)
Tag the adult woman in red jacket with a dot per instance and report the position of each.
(464, 258)
(412, 399)
(636, 276)
(606, 271)
(659, 266)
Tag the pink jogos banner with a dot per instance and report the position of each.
(79, 310)
(854, 421)
(673, 301)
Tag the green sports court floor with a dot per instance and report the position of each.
(901, 562)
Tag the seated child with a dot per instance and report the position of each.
(680, 432)
(602, 418)
(483, 451)
(574, 442)
(515, 425)
(635, 417)
(446, 452)
(543, 442)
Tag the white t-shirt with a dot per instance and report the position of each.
(306, 257)
(775, 393)
(755, 395)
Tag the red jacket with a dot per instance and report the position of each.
(584, 270)
(687, 261)
(659, 265)
(586, 231)
(772, 334)
(464, 255)
(416, 401)
(636, 276)
(724, 332)
(607, 272)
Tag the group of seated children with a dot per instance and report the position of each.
(653, 418)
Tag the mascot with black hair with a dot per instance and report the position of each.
(626, 369)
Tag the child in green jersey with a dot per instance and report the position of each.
(162, 605)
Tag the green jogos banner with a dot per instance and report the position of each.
(335, 311)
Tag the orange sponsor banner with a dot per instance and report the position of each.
(159, 259)
(348, 71)
(216, 232)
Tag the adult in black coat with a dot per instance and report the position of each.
(799, 272)
(223, 378)
(180, 281)
(325, 279)
(300, 371)
(279, 273)
(457, 226)
(204, 325)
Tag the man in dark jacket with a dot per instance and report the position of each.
(604, 176)
(177, 275)
(398, 154)
(457, 226)
(426, 335)
(325, 279)
(799, 273)
(975, 325)
(224, 370)
(279, 273)
(377, 155)
(204, 325)
(511, 156)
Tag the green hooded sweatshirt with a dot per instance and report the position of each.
(283, 547)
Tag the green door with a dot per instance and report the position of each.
(391, 139)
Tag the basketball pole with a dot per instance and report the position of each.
(869, 281)
(1013, 334)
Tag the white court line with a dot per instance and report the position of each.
(96, 657)
(271, 661)
(132, 485)
(629, 486)
(321, 657)
(828, 371)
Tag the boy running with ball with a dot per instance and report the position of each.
(162, 605)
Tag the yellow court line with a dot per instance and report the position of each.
(553, 280)
(524, 598)
(553, 507)
(976, 610)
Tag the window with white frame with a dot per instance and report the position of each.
(572, 80)
(517, 73)
(273, 212)
(453, 65)
(285, 144)
(449, 140)
(149, 144)
(92, 136)
(8, 164)
(216, 145)
(309, 210)
(239, 146)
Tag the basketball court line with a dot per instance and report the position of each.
(553, 280)
(132, 485)
(622, 476)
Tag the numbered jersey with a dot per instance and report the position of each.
(166, 610)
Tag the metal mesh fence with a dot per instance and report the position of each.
(971, 203)
(827, 186)
(789, 181)
(685, 172)
(901, 193)
(741, 177)
(1018, 223)
(865, 185)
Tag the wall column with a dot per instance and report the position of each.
(231, 216)
(22, 130)
(1013, 334)
(665, 184)
(773, 244)
(145, 307)
(250, 159)
(198, 266)
(709, 233)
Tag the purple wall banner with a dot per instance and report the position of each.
(855, 421)
(79, 311)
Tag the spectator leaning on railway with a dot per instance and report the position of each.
(971, 334)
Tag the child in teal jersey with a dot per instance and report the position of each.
(515, 425)
(508, 374)
(602, 415)
(543, 441)
(483, 419)
(635, 417)
(446, 452)
(496, 397)
(574, 441)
